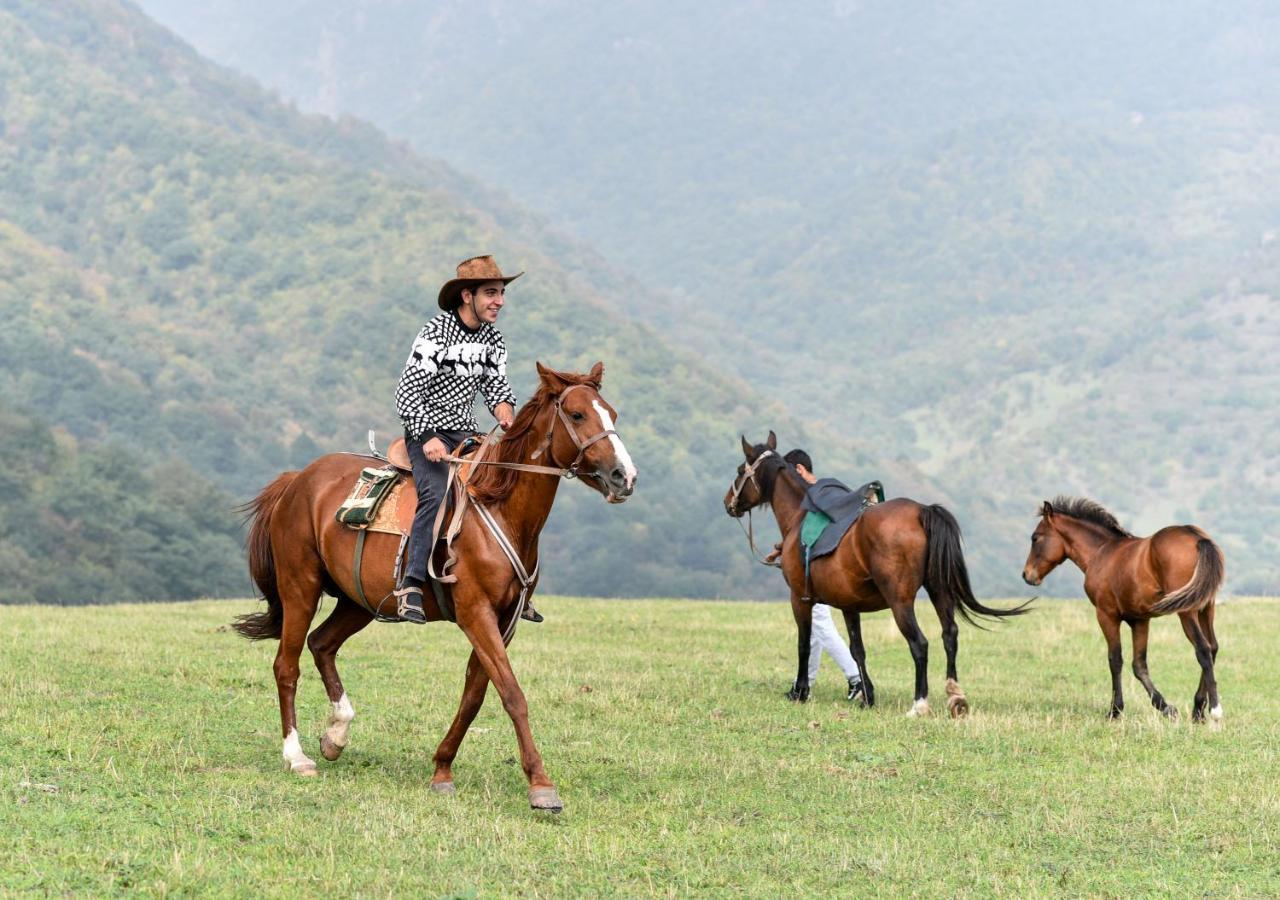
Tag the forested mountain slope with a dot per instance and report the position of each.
(1029, 249)
(202, 281)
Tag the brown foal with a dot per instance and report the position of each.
(297, 551)
(892, 550)
(1130, 579)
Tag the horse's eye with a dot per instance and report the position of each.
(577, 417)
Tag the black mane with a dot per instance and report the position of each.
(1088, 511)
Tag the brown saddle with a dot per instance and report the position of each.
(398, 455)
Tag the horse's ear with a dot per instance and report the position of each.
(596, 375)
(772, 442)
(1047, 510)
(747, 450)
(550, 378)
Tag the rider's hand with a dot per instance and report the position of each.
(504, 414)
(435, 450)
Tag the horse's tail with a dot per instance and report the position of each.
(262, 563)
(1204, 583)
(945, 573)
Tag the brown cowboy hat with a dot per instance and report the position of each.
(471, 272)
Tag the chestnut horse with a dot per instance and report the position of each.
(298, 551)
(892, 550)
(1130, 579)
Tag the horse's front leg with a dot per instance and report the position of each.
(803, 613)
(480, 624)
(477, 685)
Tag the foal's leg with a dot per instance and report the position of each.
(945, 607)
(803, 614)
(480, 624)
(477, 684)
(853, 622)
(299, 596)
(1139, 630)
(346, 619)
(1206, 626)
(1208, 688)
(1110, 626)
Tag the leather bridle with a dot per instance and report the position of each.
(570, 471)
(739, 483)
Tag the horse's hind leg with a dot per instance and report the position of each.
(1207, 692)
(1140, 629)
(905, 615)
(1206, 626)
(346, 619)
(853, 622)
(945, 607)
(473, 691)
(299, 596)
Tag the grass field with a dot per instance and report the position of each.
(141, 753)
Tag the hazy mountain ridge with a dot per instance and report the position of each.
(1020, 247)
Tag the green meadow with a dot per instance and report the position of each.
(141, 755)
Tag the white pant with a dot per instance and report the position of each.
(825, 637)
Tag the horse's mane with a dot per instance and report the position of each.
(1088, 511)
(769, 472)
(493, 483)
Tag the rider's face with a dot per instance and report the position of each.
(486, 300)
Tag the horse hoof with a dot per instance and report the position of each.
(329, 750)
(303, 769)
(1170, 713)
(958, 707)
(545, 798)
(919, 710)
(443, 788)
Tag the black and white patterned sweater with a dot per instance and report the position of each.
(447, 365)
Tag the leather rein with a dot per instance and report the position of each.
(739, 483)
(571, 471)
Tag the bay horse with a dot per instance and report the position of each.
(1131, 579)
(892, 550)
(297, 551)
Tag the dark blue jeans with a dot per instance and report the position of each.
(429, 480)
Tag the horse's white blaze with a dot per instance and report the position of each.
(340, 721)
(293, 755)
(919, 708)
(619, 449)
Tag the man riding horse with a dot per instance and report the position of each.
(455, 355)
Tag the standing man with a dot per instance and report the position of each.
(457, 353)
(823, 635)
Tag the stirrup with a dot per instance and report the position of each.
(408, 610)
(530, 614)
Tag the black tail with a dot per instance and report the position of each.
(945, 574)
(262, 564)
(1204, 583)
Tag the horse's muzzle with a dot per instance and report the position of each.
(1031, 579)
(618, 487)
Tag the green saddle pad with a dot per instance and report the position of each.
(812, 527)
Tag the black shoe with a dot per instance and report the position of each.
(409, 605)
(856, 690)
(531, 614)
